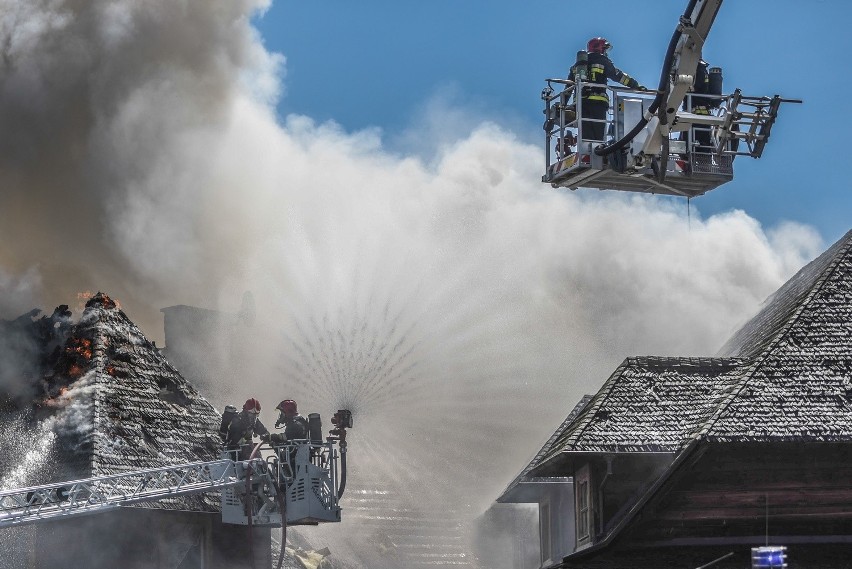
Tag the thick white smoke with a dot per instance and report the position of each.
(454, 302)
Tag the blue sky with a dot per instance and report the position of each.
(378, 63)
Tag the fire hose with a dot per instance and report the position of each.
(342, 466)
(280, 497)
(282, 502)
(250, 506)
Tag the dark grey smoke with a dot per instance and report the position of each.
(97, 101)
(19, 358)
(29, 347)
(140, 154)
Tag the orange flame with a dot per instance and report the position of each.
(80, 347)
(85, 296)
(60, 400)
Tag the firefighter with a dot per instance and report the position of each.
(702, 105)
(239, 429)
(295, 426)
(595, 102)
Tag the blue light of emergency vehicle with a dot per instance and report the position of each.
(769, 557)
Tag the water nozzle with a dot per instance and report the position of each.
(342, 420)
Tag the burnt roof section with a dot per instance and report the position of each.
(141, 412)
(512, 493)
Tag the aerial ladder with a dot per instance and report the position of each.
(300, 482)
(652, 144)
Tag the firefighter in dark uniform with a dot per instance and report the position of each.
(295, 426)
(595, 103)
(239, 429)
(702, 105)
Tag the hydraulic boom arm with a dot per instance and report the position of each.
(676, 77)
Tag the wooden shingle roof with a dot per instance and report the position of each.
(138, 411)
(784, 306)
(650, 404)
(784, 376)
(799, 384)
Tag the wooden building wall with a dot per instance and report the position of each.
(716, 503)
(137, 538)
(734, 490)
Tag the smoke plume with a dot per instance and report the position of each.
(458, 305)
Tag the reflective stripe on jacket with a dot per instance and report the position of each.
(599, 69)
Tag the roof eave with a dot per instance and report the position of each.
(530, 490)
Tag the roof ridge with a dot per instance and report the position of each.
(706, 360)
(98, 360)
(764, 353)
(747, 339)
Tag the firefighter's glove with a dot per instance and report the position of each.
(265, 437)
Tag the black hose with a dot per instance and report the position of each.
(249, 503)
(664, 161)
(342, 470)
(282, 502)
(662, 91)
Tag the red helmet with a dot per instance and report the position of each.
(288, 406)
(598, 45)
(252, 405)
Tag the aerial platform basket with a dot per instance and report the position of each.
(671, 160)
(300, 482)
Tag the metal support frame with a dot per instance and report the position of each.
(305, 471)
(103, 493)
(655, 161)
(739, 126)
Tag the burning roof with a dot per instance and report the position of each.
(117, 403)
